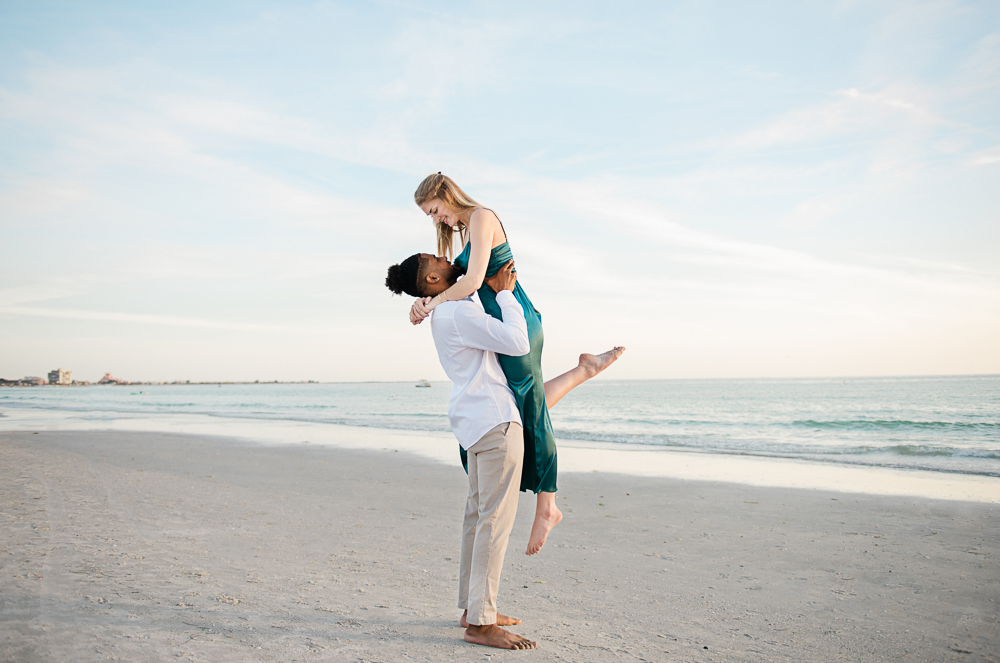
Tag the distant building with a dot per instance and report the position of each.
(33, 380)
(110, 379)
(59, 376)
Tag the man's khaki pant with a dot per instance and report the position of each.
(494, 478)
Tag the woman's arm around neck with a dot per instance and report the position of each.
(484, 231)
(483, 227)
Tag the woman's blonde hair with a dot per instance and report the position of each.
(443, 187)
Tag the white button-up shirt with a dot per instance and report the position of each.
(467, 340)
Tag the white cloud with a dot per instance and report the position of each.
(24, 198)
(889, 101)
(168, 320)
(740, 263)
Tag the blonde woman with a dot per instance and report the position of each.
(485, 250)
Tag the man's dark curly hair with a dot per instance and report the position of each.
(405, 277)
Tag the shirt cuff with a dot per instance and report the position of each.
(503, 294)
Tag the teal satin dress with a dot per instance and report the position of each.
(524, 376)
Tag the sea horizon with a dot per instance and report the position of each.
(931, 423)
(87, 383)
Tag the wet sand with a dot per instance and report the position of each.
(139, 546)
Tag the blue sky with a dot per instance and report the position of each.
(213, 191)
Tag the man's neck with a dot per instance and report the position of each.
(443, 289)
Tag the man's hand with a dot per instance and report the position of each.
(504, 279)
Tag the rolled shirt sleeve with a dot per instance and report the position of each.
(478, 329)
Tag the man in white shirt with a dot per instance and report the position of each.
(485, 419)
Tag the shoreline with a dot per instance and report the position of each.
(575, 456)
(129, 545)
(576, 441)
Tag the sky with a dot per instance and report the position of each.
(213, 191)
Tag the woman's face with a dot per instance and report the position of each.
(440, 212)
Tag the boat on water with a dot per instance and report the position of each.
(422, 383)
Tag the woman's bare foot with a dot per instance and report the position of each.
(502, 620)
(494, 636)
(594, 364)
(547, 516)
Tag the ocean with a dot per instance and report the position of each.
(937, 424)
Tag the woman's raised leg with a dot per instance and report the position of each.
(589, 366)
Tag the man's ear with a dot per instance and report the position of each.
(433, 278)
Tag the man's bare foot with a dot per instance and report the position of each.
(494, 636)
(594, 364)
(547, 516)
(502, 620)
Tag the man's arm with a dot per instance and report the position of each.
(482, 331)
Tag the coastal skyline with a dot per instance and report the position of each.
(728, 191)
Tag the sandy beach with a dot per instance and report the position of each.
(144, 546)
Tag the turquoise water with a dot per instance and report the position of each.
(945, 424)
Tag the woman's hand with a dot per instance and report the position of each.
(421, 309)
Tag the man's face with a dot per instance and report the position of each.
(438, 273)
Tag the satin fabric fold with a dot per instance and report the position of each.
(524, 377)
